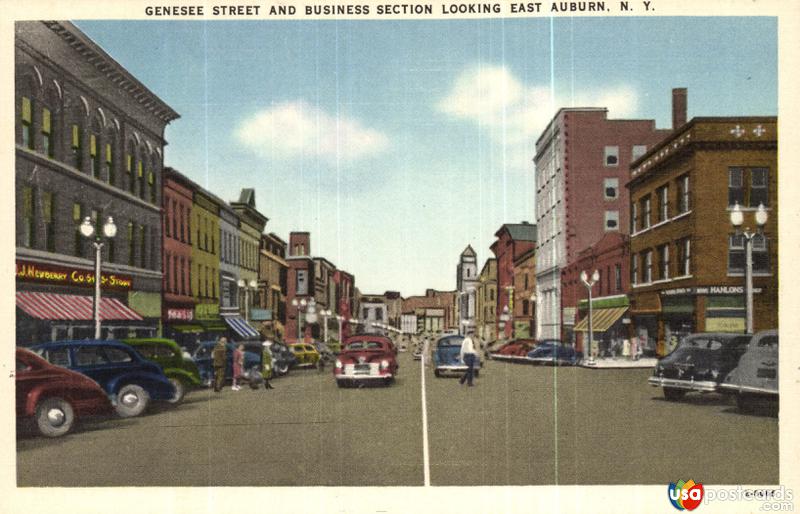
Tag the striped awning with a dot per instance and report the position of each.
(602, 319)
(54, 306)
(241, 327)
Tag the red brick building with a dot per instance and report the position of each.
(513, 241)
(525, 292)
(177, 303)
(299, 282)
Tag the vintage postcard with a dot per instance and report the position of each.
(395, 257)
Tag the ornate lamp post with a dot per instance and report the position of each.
(737, 219)
(325, 313)
(504, 317)
(589, 284)
(300, 305)
(247, 286)
(340, 320)
(88, 231)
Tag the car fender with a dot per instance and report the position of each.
(143, 378)
(182, 375)
(48, 391)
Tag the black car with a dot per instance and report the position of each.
(282, 358)
(699, 363)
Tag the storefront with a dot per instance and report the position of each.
(610, 323)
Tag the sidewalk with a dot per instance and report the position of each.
(649, 362)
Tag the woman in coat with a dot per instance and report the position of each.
(238, 365)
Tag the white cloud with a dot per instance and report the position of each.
(297, 129)
(515, 113)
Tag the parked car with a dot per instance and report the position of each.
(515, 348)
(699, 363)
(365, 358)
(182, 372)
(307, 356)
(447, 357)
(416, 354)
(282, 358)
(53, 398)
(130, 380)
(326, 355)
(555, 355)
(203, 359)
(756, 376)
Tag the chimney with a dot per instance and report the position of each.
(678, 107)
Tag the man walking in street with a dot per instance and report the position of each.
(219, 360)
(468, 357)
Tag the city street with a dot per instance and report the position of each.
(520, 425)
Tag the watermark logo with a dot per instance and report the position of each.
(685, 495)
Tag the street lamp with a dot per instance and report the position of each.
(109, 231)
(300, 306)
(252, 284)
(340, 320)
(504, 317)
(325, 313)
(737, 219)
(589, 284)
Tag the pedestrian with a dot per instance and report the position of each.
(266, 361)
(238, 364)
(468, 358)
(219, 359)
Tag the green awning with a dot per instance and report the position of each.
(187, 329)
(605, 303)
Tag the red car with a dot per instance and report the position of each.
(366, 358)
(517, 348)
(52, 396)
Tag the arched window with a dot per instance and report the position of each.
(109, 154)
(130, 165)
(94, 147)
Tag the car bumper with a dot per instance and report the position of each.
(733, 388)
(705, 386)
(363, 377)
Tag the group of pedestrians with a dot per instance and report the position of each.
(219, 356)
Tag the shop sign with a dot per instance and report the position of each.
(60, 275)
(707, 290)
(180, 314)
(725, 325)
(568, 315)
(206, 311)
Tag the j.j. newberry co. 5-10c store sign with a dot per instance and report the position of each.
(34, 272)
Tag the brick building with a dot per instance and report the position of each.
(178, 304)
(486, 296)
(687, 262)
(524, 283)
(270, 316)
(299, 283)
(513, 241)
(89, 142)
(582, 160)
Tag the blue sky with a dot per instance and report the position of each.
(397, 143)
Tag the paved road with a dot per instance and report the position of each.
(519, 425)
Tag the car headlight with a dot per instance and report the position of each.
(384, 363)
(714, 374)
(338, 364)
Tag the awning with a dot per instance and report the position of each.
(54, 306)
(186, 329)
(241, 327)
(602, 319)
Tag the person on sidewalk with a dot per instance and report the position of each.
(219, 359)
(468, 357)
(238, 365)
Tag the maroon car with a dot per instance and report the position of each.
(365, 359)
(52, 396)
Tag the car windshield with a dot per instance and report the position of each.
(768, 341)
(365, 345)
(451, 341)
(704, 343)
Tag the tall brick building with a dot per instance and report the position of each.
(513, 241)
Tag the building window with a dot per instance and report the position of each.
(617, 277)
(47, 133)
(663, 260)
(635, 269)
(130, 164)
(683, 194)
(525, 307)
(611, 220)
(27, 121)
(648, 266)
(748, 187)
(94, 156)
(77, 154)
(111, 173)
(634, 218)
(737, 257)
(637, 151)
(151, 181)
(644, 205)
(77, 241)
(760, 254)
(759, 187)
(663, 203)
(684, 256)
(47, 219)
(140, 177)
(28, 223)
(142, 254)
(611, 156)
(302, 282)
(131, 245)
(610, 188)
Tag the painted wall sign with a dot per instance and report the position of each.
(28, 271)
(707, 290)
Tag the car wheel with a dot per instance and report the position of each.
(180, 391)
(387, 381)
(132, 400)
(672, 394)
(437, 373)
(281, 369)
(54, 417)
(340, 383)
(744, 402)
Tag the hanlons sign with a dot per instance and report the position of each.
(706, 290)
(28, 271)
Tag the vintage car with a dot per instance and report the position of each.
(307, 356)
(282, 358)
(514, 349)
(203, 359)
(54, 398)
(554, 354)
(447, 357)
(756, 376)
(365, 358)
(416, 353)
(182, 372)
(129, 379)
(699, 363)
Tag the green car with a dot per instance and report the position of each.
(182, 372)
